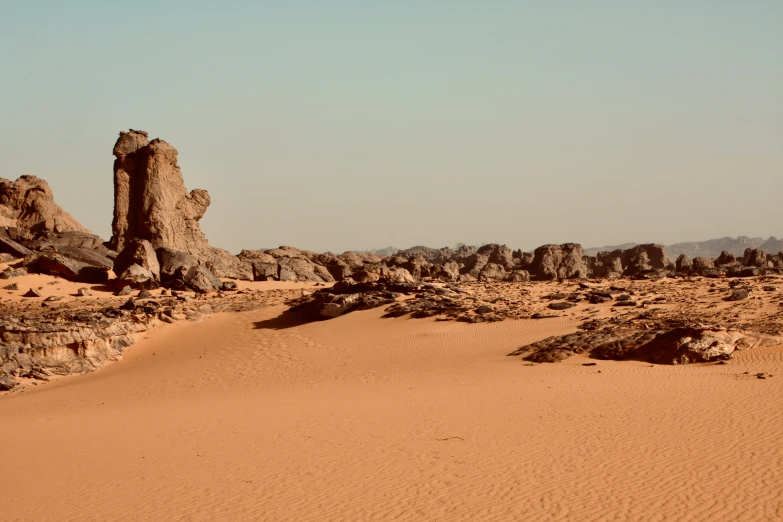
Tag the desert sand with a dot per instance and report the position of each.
(246, 416)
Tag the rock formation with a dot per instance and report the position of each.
(28, 203)
(151, 203)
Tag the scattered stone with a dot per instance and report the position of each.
(32, 293)
(83, 292)
(144, 294)
(560, 305)
(125, 290)
(738, 295)
(12, 287)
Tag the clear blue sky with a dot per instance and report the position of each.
(331, 125)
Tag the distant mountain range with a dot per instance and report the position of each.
(710, 248)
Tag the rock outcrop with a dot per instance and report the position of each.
(28, 203)
(151, 203)
(564, 261)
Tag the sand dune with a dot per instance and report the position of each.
(245, 417)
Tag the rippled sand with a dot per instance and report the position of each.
(245, 417)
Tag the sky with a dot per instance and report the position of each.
(347, 124)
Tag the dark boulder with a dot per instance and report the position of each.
(201, 279)
(137, 277)
(174, 264)
(138, 252)
(564, 261)
(9, 246)
(72, 263)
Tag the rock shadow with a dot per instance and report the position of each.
(288, 319)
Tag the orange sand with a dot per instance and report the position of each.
(242, 417)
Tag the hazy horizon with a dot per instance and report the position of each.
(350, 125)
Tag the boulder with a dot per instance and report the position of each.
(755, 257)
(72, 263)
(701, 264)
(200, 279)
(28, 203)
(643, 259)
(519, 276)
(137, 277)
(492, 272)
(448, 271)
(564, 261)
(609, 264)
(138, 252)
(9, 246)
(725, 258)
(174, 264)
(683, 264)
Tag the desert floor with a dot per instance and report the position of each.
(246, 417)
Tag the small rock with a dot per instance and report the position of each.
(130, 304)
(738, 295)
(144, 294)
(32, 293)
(53, 298)
(12, 286)
(6, 383)
(126, 290)
(561, 306)
(83, 292)
(625, 303)
(229, 286)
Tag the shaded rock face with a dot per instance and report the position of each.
(72, 263)
(564, 261)
(644, 259)
(138, 252)
(152, 203)
(28, 203)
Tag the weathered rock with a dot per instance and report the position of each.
(125, 290)
(32, 293)
(6, 383)
(739, 294)
(643, 259)
(755, 257)
(560, 305)
(448, 271)
(9, 246)
(701, 264)
(12, 287)
(519, 276)
(28, 203)
(138, 252)
(83, 292)
(137, 277)
(492, 272)
(559, 262)
(201, 279)
(683, 264)
(174, 264)
(72, 263)
(725, 258)
(152, 203)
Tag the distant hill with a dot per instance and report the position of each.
(710, 248)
